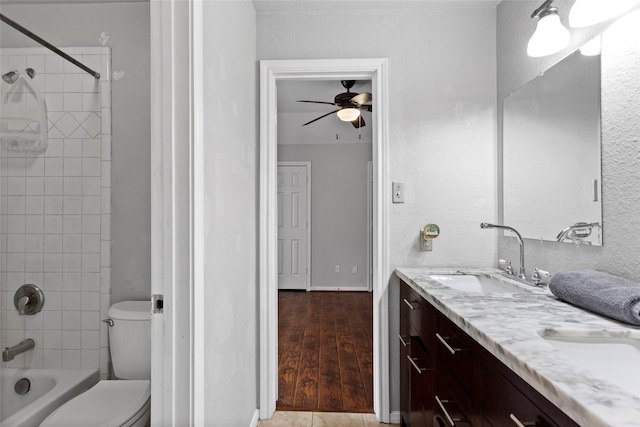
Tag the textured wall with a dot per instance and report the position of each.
(441, 120)
(127, 25)
(620, 132)
(230, 212)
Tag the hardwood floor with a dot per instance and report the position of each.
(325, 351)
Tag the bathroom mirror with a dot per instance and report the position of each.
(551, 153)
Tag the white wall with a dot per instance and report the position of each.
(230, 212)
(338, 210)
(127, 24)
(442, 117)
(620, 130)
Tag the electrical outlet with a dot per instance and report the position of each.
(426, 244)
(337, 269)
(354, 269)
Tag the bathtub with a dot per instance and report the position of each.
(50, 388)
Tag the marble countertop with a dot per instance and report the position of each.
(507, 325)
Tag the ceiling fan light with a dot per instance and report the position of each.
(592, 48)
(585, 13)
(348, 114)
(550, 35)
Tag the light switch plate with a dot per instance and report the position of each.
(398, 192)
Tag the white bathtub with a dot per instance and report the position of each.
(50, 388)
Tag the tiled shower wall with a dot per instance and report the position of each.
(55, 215)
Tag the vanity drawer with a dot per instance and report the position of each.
(505, 404)
(455, 351)
(421, 317)
(451, 406)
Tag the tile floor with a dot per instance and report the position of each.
(321, 419)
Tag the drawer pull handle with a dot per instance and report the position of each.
(452, 421)
(404, 343)
(443, 340)
(415, 365)
(519, 423)
(409, 304)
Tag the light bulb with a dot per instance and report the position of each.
(592, 48)
(348, 114)
(585, 13)
(550, 36)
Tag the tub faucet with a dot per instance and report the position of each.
(22, 304)
(521, 272)
(10, 353)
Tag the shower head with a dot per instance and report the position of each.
(31, 72)
(486, 225)
(10, 77)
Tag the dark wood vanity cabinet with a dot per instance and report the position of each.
(417, 362)
(447, 379)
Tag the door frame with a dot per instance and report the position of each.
(307, 165)
(369, 220)
(177, 223)
(271, 71)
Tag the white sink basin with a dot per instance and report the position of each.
(476, 283)
(610, 358)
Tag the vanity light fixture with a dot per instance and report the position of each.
(550, 35)
(592, 48)
(348, 114)
(585, 13)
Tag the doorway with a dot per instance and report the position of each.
(272, 71)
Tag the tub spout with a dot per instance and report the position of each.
(10, 353)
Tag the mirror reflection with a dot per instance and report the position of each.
(551, 146)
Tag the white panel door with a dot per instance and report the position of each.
(293, 236)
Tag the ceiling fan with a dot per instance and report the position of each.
(351, 104)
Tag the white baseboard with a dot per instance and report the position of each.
(339, 288)
(256, 418)
(394, 417)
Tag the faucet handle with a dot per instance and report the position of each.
(540, 277)
(28, 299)
(505, 264)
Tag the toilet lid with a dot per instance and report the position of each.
(108, 403)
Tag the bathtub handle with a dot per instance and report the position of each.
(108, 322)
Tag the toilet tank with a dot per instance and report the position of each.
(130, 339)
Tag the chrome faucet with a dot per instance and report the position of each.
(22, 304)
(10, 353)
(521, 272)
(577, 231)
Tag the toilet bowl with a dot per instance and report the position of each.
(126, 401)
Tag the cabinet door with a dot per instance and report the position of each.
(505, 405)
(421, 379)
(404, 339)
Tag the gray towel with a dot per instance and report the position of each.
(602, 293)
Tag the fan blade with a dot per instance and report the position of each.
(321, 117)
(363, 98)
(318, 102)
(365, 108)
(359, 122)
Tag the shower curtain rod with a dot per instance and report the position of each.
(48, 45)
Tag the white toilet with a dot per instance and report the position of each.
(125, 402)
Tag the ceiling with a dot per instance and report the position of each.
(308, 5)
(289, 91)
(328, 5)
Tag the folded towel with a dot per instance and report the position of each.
(603, 293)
